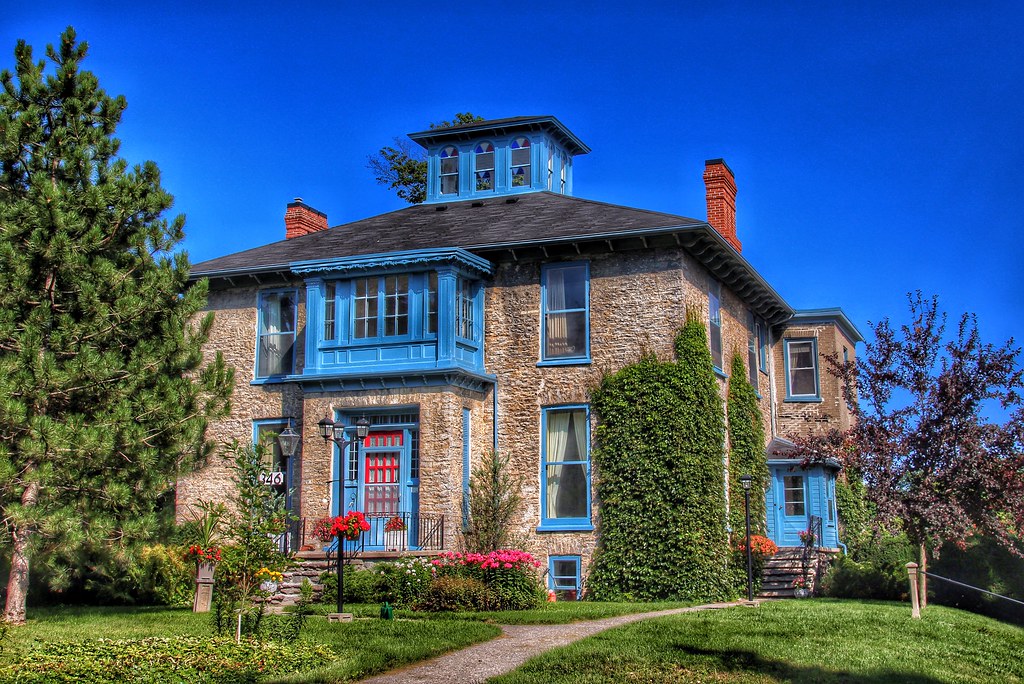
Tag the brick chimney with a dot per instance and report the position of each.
(302, 219)
(721, 194)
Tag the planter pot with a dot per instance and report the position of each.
(800, 592)
(205, 572)
(394, 541)
(269, 587)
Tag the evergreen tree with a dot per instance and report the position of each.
(403, 167)
(104, 392)
(494, 499)
(747, 451)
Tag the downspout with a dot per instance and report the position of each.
(494, 418)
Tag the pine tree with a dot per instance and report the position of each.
(104, 391)
(747, 451)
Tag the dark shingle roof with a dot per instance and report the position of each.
(532, 218)
(531, 225)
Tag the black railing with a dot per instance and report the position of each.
(397, 532)
(815, 529)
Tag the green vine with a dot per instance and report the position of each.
(747, 453)
(658, 457)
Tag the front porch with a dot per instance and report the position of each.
(389, 536)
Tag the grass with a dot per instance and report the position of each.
(363, 647)
(558, 613)
(785, 641)
(792, 641)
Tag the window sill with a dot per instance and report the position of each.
(720, 373)
(575, 361)
(803, 400)
(271, 379)
(565, 527)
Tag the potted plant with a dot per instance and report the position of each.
(269, 579)
(801, 587)
(322, 530)
(394, 533)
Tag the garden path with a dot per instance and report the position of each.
(516, 645)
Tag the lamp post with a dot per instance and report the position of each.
(335, 432)
(745, 480)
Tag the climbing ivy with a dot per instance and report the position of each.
(658, 456)
(747, 452)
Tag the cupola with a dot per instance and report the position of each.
(499, 158)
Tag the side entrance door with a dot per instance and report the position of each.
(791, 504)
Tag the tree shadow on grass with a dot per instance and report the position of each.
(750, 663)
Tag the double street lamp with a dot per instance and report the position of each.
(335, 432)
(746, 480)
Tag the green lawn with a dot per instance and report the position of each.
(785, 641)
(793, 641)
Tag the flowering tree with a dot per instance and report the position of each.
(935, 466)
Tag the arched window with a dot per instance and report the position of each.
(450, 171)
(520, 162)
(484, 166)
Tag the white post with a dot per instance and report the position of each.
(915, 607)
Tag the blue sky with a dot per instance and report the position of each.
(878, 147)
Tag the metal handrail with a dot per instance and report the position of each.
(422, 533)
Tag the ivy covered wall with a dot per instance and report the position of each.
(746, 452)
(658, 457)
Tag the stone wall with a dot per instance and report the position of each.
(638, 302)
(801, 418)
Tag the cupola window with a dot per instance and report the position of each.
(484, 167)
(450, 171)
(520, 162)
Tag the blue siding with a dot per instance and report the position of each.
(819, 493)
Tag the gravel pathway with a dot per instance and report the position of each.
(516, 645)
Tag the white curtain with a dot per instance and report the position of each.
(557, 328)
(557, 440)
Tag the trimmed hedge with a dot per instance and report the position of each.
(658, 460)
(160, 660)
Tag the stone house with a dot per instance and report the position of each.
(479, 320)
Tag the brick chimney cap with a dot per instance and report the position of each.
(717, 162)
(299, 203)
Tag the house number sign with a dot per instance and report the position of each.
(275, 479)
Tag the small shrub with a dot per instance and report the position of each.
(850, 579)
(401, 583)
(509, 576)
(164, 577)
(452, 593)
(361, 586)
(160, 660)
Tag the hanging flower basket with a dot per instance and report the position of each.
(350, 526)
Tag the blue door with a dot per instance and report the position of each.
(791, 503)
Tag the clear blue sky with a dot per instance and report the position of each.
(878, 147)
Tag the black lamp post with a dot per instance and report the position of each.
(335, 432)
(745, 480)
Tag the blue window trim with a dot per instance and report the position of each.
(562, 524)
(715, 294)
(466, 468)
(762, 343)
(261, 379)
(551, 573)
(809, 398)
(564, 360)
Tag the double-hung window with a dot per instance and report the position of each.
(801, 357)
(762, 345)
(450, 171)
(715, 322)
(276, 332)
(565, 294)
(464, 308)
(520, 149)
(752, 350)
(381, 307)
(484, 159)
(565, 468)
